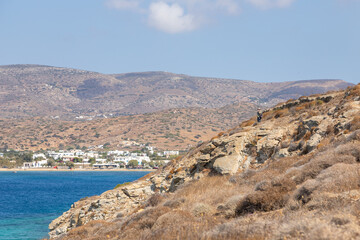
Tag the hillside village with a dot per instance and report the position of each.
(147, 158)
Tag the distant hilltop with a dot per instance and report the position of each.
(37, 90)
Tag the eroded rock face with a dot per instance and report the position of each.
(227, 164)
(235, 151)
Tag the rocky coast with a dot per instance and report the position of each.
(297, 129)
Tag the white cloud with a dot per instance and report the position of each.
(266, 4)
(170, 18)
(176, 16)
(122, 4)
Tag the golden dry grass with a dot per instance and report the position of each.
(314, 196)
(282, 200)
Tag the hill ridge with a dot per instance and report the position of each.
(39, 90)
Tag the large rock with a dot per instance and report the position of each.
(227, 164)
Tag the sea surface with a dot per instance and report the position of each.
(29, 201)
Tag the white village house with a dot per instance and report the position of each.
(36, 164)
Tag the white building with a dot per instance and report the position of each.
(78, 153)
(91, 154)
(126, 159)
(171, 153)
(38, 155)
(36, 164)
(118, 153)
(61, 154)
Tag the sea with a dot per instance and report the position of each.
(30, 200)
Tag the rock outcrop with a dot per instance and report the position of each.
(294, 128)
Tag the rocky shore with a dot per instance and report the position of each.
(295, 128)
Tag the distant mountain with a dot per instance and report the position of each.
(35, 90)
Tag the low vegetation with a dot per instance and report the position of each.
(313, 194)
(170, 129)
(308, 197)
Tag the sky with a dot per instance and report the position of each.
(258, 40)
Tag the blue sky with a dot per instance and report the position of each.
(258, 40)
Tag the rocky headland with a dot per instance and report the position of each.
(294, 175)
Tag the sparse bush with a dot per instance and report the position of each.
(143, 219)
(323, 144)
(201, 209)
(355, 124)
(174, 203)
(352, 149)
(262, 186)
(241, 228)
(329, 129)
(248, 123)
(355, 136)
(228, 209)
(281, 113)
(122, 185)
(154, 200)
(353, 92)
(274, 198)
(175, 225)
(329, 180)
(319, 163)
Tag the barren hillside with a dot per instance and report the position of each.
(169, 129)
(34, 90)
(295, 175)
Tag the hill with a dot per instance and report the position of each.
(167, 129)
(295, 175)
(34, 90)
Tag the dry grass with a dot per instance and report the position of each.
(276, 113)
(248, 123)
(323, 144)
(304, 197)
(353, 92)
(155, 200)
(218, 135)
(355, 124)
(274, 197)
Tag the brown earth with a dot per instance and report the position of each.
(295, 175)
(170, 129)
(34, 90)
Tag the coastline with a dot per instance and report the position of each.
(74, 170)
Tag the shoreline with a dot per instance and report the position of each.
(73, 170)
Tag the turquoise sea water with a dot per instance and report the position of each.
(29, 201)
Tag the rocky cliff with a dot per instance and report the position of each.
(292, 134)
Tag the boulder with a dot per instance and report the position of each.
(204, 158)
(312, 143)
(207, 148)
(227, 164)
(283, 153)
